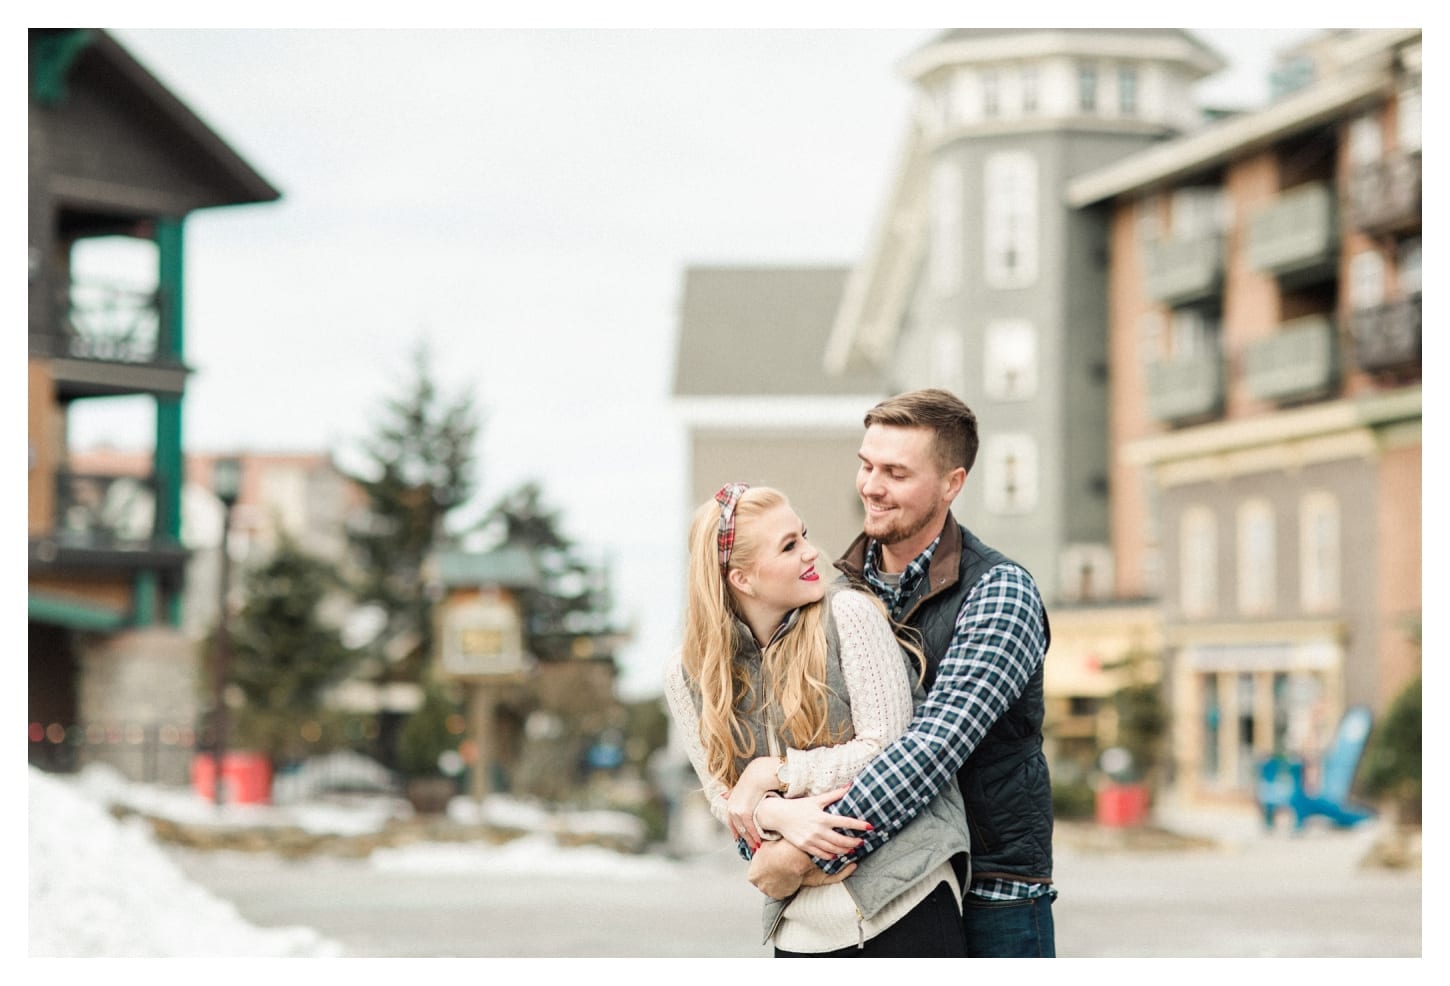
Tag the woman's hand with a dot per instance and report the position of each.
(805, 823)
(760, 775)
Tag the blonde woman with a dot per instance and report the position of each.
(787, 684)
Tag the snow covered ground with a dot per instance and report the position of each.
(100, 886)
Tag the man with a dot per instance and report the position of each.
(983, 628)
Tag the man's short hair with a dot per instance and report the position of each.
(953, 424)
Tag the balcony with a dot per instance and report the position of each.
(104, 522)
(109, 342)
(1180, 391)
(1297, 238)
(1387, 337)
(1384, 197)
(1182, 271)
(1295, 363)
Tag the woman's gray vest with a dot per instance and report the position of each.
(936, 835)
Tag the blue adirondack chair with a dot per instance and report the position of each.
(1281, 779)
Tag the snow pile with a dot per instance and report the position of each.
(509, 813)
(99, 887)
(107, 786)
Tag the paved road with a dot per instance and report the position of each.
(1257, 895)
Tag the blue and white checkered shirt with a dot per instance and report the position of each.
(999, 643)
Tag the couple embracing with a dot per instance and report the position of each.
(873, 739)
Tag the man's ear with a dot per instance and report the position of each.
(738, 580)
(956, 479)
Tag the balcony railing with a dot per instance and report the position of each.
(1185, 270)
(1185, 389)
(109, 322)
(94, 511)
(1297, 237)
(1295, 363)
(1384, 196)
(1387, 337)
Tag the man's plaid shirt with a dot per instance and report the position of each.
(998, 645)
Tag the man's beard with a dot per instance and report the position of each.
(897, 529)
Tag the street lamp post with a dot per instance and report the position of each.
(226, 484)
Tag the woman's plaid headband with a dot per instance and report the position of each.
(728, 498)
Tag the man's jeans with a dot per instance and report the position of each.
(1009, 928)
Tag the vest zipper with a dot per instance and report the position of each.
(860, 930)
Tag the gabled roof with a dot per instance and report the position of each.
(61, 57)
(509, 566)
(761, 331)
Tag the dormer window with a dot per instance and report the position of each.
(1029, 91)
(1128, 90)
(991, 94)
(1087, 88)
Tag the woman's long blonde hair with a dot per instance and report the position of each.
(793, 668)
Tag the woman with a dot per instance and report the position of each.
(787, 685)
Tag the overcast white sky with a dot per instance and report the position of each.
(526, 201)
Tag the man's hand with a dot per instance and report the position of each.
(779, 869)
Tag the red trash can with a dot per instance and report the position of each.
(246, 778)
(1122, 805)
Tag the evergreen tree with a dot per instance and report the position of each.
(420, 465)
(573, 603)
(284, 653)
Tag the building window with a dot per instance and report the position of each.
(946, 228)
(991, 94)
(1152, 571)
(1128, 90)
(1193, 334)
(1086, 572)
(1029, 91)
(1407, 265)
(1244, 708)
(1365, 145)
(1198, 211)
(1255, 557)
(1087, 88)
(1319, 552)
(1149, 220)
(1366, 280)
(1010, 360)
(1407, 119)
(1198, 564)
(947, 369)
(1010, 218)
(1212, 719)
(1010, 481)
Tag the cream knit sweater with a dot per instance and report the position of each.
(822, 919)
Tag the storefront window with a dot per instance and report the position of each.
(1211, 713)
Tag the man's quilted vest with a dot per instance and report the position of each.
(1004, 783)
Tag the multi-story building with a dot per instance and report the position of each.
(981, 280)
(303, 496)
(756, 403)
(1263, 297)
(112, 153)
